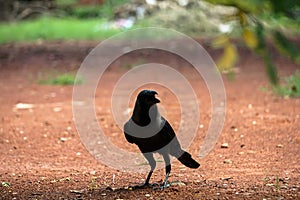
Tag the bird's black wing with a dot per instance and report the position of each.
(167, 133)
(169, 138)
(128, 137)
(175, 148)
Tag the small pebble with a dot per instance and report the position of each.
(279, 146)
(57, 109)
(227, 161)
(77, 191)
(147, 195)
(226, 178)
(93, 172)
(283, 187)
(21, 106)
(224, 145)
(251, 152)
(178, 183)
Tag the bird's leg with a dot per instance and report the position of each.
(165, 183)
(168, 170)
(148, 178)
(152, 163)
(146, 184)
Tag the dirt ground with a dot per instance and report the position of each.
(42, 157)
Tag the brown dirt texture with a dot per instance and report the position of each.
(42, 156)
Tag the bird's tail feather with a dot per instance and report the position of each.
(188, 161)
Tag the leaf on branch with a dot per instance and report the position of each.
(271, 69)
(250, 38)
(243, 19)
(253, 6)
(220, 42)
(286, 47)
(262, 50)
(228, 58)
(261, 43)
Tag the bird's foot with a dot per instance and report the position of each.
(165, 185)
(162, 186)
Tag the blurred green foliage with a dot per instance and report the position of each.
(89, 12)
(61, 79)
(50, 28)
(290, 87)
(65, 2)
(68, 21)
(256, 19)
(259, 21)
(69, 8)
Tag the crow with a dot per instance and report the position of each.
(152, 133)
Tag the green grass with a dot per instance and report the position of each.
(290, 87)
(65, 2)
(93, 184)
(105, 10)
(5, 184)
(75, 23)
(61, 79)
(49, 28)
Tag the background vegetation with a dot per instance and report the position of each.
(260, 24)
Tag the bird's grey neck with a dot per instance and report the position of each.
(144, 115)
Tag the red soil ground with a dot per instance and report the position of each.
(42, 156)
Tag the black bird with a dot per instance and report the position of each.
(152, 133)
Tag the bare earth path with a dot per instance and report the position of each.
(42, 157)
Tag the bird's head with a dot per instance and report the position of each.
(147, 97)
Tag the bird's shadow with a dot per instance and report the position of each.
(154, 186)
(108, 191)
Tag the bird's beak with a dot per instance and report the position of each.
(156, 99)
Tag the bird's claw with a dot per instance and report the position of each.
(162, 186)
(165, 185)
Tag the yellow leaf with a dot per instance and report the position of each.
(220, 41)
(228, 59)
(250, 38)
(243, 18)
